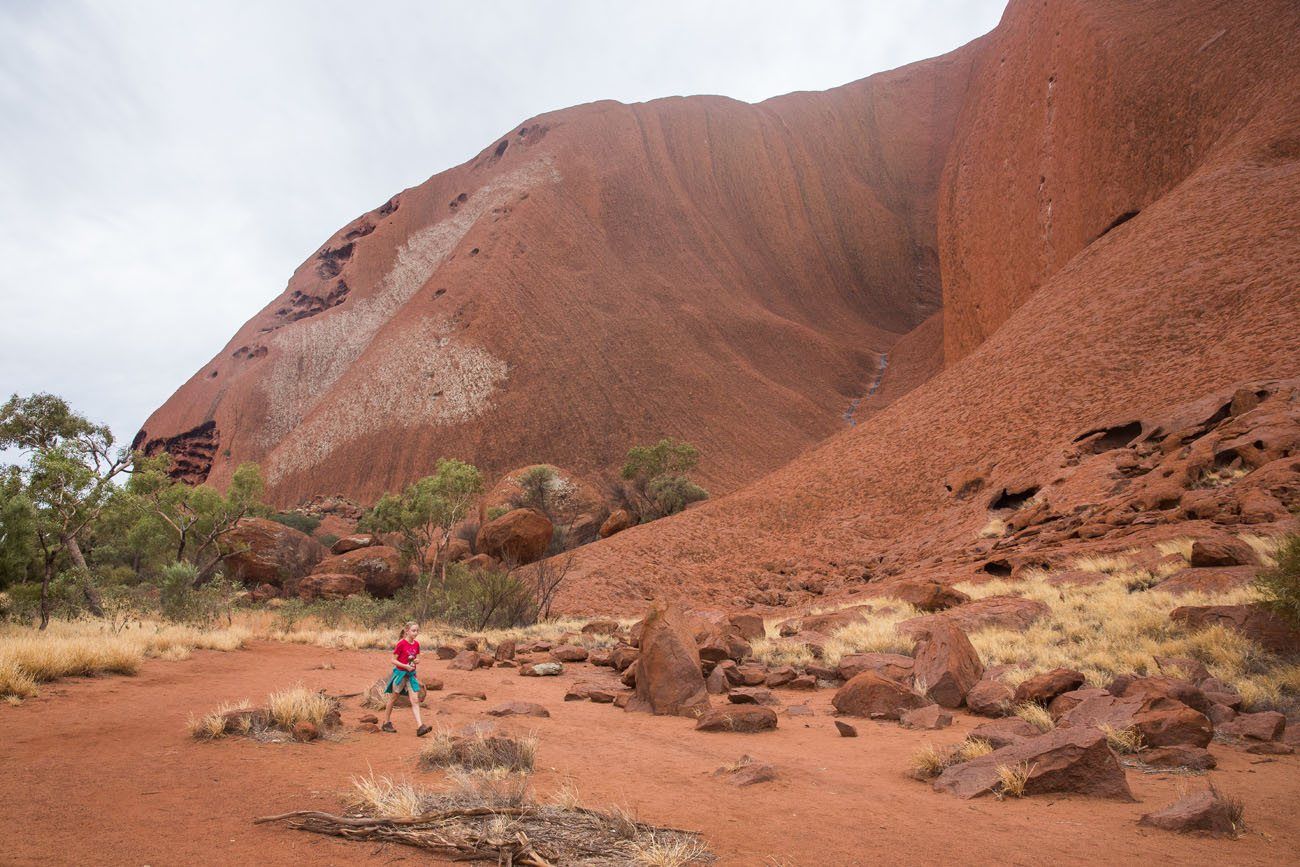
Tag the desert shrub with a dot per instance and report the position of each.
(1012, 780)
(671, 494)
(480, 750)
(657, 476)
(536, 489)
(483, 599)
(931, 761)
(300, 521)
(180, 601)
(495, 512)
(328, 539)
(1279, 585)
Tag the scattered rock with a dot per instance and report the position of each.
(465, 696)
(505, 650)
(1222, 551)
(1042, 688)
(746, 772)
(846, 730)
(305, 731)
(541, 669)
(667, 671)
(1005, 731)
(600, 627)
(469, 660)
(894, 666)
(1179, 756)
(948, 664)
(352, 543)
(379, 566)
(329, 586)
(520, 536)
(752, 695)
(743, 719)
(569, 653)
(990, 698)
(928, 596)
(749, 626)
(780, 676)
(929, 718)
(1205, 812)
(872, 696)
(1264, 726)
(1002, 612)
(618, 521)
(1076, 761)
(803, 681)
(369, 718)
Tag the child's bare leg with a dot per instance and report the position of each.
(415, 708)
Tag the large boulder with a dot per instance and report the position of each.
(667, 671)
(520, 536)
(743, 719)
(379, 566)
(947, 664)
(329, 586)
(618, 521)
(893, 666)
(1254, 621)
(990, 698)
(875, 697)
(1222, 551)
(1161, 721)
(1075, 761)
(352, 542)
(261, 551)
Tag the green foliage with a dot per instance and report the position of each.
(17, 530)
(423, 514)
(474, 599)
(300, 521)
(328, 540)
(180, 600)
(658, 477)
(495, 512)
(536, 489)
(1280, 584)
(187, 521)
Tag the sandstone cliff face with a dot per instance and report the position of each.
(1047, 337)
(1102, 195)
(701, 268)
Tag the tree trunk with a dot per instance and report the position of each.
(45, 593)
(93, 600)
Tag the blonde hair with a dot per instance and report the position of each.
(406, 627)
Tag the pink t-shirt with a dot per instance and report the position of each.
(406, 651)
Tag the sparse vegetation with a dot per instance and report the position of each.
(1104, 631)
(658, 478)
(995, 528)
(1012, 780)
(1036, 715)
(1279, 584)
(285, 712)
(1127, 741)
(490, 816)
(931, 761)
(479, 750)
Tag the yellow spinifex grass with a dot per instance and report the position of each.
(29, 657)
(297, 704)
(1105, 630)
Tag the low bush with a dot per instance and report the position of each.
(300, 521)
(1279, 585)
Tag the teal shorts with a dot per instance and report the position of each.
(403, 681)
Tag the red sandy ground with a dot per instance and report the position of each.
(103, 772)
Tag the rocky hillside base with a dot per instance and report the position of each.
(1034, 732)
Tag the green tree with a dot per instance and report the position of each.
(193, 517)
(17, 529)
(1279, 584)
(68, 473)
(536, 490)
(423, 515)
(658, 477)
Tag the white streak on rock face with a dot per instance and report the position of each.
(315, 353)
(427, 376)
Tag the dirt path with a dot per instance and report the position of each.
(102, 771)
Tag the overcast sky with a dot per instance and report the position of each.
(164, 166)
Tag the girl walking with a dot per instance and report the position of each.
(403, 680)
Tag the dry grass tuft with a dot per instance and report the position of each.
(479, 751)
(1012, 780)
(669, 851)
(1126, 741)
(1036, 715)
(1107, 564)
(216, 724)
(995, 528)
(1181, 547)
(1236, 808)
(386, 798)
(1266, 548)
(930, 761)
(298, 704)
